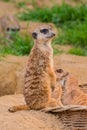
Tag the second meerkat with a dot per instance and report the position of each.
(40, 78)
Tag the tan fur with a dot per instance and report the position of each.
(40, 78)
(72, 94)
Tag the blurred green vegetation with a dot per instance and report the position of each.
(78, 51)
(19, 45)
(71, 22)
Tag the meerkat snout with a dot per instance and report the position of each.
(54, 34)
(50, 35)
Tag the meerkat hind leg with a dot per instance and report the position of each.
(18, 108)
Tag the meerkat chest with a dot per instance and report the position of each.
(41, 56)
(47, 49)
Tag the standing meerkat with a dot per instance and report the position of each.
(40, 77)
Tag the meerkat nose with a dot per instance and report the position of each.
(53, 34)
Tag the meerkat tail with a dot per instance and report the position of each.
(18, 108)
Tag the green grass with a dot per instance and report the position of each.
(59, 15)
(78, 51)
(76, 36)
(72, 22)
(20, 45)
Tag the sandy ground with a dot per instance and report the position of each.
(25, 120)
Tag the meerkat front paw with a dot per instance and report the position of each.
(12, 109)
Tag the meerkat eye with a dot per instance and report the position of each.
(59, 70)
(44, 31)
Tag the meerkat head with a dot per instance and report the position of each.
(43, 34)
(67, 80)
(62, 77)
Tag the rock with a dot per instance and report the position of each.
(25, 120)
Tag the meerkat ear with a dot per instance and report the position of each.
(51, 25)
(34, 35)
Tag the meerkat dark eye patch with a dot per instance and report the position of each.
(34, 35)
(44, 31)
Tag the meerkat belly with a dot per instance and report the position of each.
(37, 91)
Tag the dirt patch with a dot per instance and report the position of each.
(25, 120)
